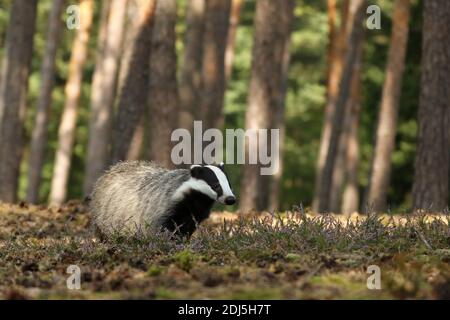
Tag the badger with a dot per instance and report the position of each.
(141, 197)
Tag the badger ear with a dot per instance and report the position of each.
(221, 166)
(196, 170)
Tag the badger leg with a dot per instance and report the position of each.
(181, 227)
(188, 214)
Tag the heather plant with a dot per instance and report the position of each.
(293, 254)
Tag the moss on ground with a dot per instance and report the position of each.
(258, 256)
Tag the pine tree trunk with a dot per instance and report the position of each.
(103, 94)
(163, 94)
(346, 164)
(13, 93)
(217, 14)
(236, 7)
(190, 83)
(355, 32)
(39, 136)
(137, 142)
(431, 178)
(336, 55)
(332, 49)
(66, 133)
(133, 95)
(339, 170)
(387, 119)
(334, 61)
(130, 20)
(350, 197)
(278, 117)
(266, 92)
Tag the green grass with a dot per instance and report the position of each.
(289, 256)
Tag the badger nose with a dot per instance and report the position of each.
(230, 200)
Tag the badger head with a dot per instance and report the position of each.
(213, 182)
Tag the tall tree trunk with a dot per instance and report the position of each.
(103, 94)
(133, 96)
(266, 91)
(191, 78)
(332, 54)
(236, 6)
(334, 61)
(96, 89)
(431, 178)
(350, 197)
(66, 133)
(346, 164)
(387, 119)
(13, 93)
(137, 142)
(278, 117)
(163, 94)
(39, 136)
(213, 66)
(132, 15)
(336, 55)
(339, 170)
(354, 32)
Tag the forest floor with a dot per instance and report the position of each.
(257, 256)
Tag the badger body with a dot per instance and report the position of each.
(142, 197)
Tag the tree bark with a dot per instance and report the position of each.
(332, 50)
(266, 91)
(132, 15)
(133, 96)
(163, 94)
(339, 170)
(346, 164)
(431, 178)
(103, 94)
(334, 66)
(39, 135)
(96, 89)
(66, 133)
(387, 119)
(336, 55)
(235, 14)
(217, 14)
(190, 83)
(278, 117)
(13, 93)
(137, 142)
(350, 197)
(354, 32)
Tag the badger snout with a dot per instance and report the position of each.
(227, 199)
(230, 200)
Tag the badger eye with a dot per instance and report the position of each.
(216, 187)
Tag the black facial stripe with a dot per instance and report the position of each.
(210, 178)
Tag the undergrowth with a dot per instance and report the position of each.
(274, 256)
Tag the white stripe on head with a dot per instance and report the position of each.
(224, 184)
(194, 184)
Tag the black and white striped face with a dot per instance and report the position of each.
(213, 182)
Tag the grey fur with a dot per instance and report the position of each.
(135, 196)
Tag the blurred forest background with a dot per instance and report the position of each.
(349, 100)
